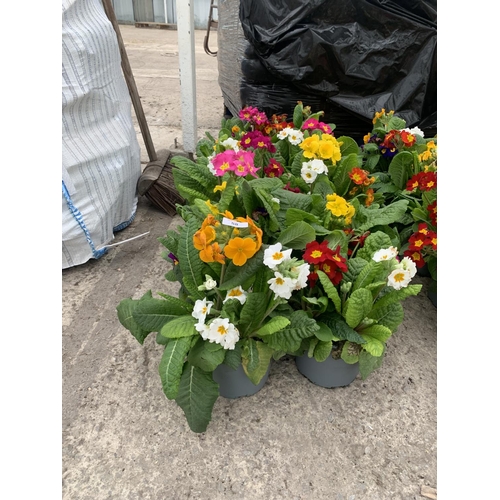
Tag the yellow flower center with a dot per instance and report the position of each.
(221, 330)
(277, 256)
(280, 281)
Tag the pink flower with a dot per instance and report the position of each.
(310, 124)
(244, 164)
(224, 162)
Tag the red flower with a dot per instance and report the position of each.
(358, 175)
(407, 138)
(274, 169)
(432, 239)
(329, 267)
(416, 257)
(427, 181)
(414, 182)
(317, 252)
(312, 278)
(417, 241)
(423, 229)
(432, 209)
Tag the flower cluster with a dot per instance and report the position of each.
(238, 239)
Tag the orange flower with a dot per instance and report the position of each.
(369, 197)
(203, 237)
(239, 250)
(358, 175)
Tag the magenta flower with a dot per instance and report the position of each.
(224, 162)
(257, 140)
(244, 164)
(311, 124)
(260, 118)
(248, 113)
(325, 128)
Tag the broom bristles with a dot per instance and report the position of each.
(157, 184)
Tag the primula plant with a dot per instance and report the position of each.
(286, 246)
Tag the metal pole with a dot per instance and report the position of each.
(185, 36)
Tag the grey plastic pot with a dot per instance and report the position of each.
(235, 384)
(329, 373)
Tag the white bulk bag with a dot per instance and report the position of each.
(100, 153)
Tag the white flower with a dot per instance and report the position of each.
(283, 134)
(209, 284)
(414, 131)
(303, 272)
(276, 200)
(308, 174)
(295, 136)
(201, 309)
(385, 254)
(202, 329)
(231, 144)
(210, 165)
(408, 265)
(317, 166)
(399, 278)
(224, 333)
(281, 286)
(273, 255)
(236, 293)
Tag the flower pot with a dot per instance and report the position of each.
(329, 373)
(235, 383)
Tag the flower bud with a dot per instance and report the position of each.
(346, 287)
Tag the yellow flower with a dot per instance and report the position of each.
(212, 208)
(378, 115)
(310, 146)
(339, 207)
(239, 250)
(235, 129)
(220, 187)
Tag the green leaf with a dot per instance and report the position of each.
(358, 305)
(294, 215)
(255, 359)
(395, 296)
(324, 333)
(396, 123)
(274, 325)
(253, 311)
(350, 352)
(375, 336)
(372, 271)
(233, 356)
(354, 266)
(189, 260)
(401, 169)
(330, 290)
(341, 330)
(171, 365)
(368, 363)
(197, 395)
(382, 216)
(237, 275)
(203, 356)
(348, 146)
(298, 116)
(290, 338)
(153, 314)
(125, 310)
(297, 236)
(373, 243)
(322, 350)
(391, 316)
(340, 176)
(181, 326)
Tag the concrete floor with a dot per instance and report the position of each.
(122, 439)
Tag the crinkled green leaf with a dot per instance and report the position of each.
(237, 275)
(401, 168)
(341, 330)
(394, 296)
(125, 311)
(374, 242)
(330, 290)
(350, 352)
(372, 271)
(381, 216)
(391, 316)
(322, 350)
(153, 314)
(324, 333)
(233, 356)
(297, 236)
(274, 325)
(172, 361)
(357, 307)
(181, 326)
(255, 358)
(253, 311)
(204, 356)
(289, 339)
(197, 395)
(368, 363)
(189, 260)
(375, 336)
(340, 176)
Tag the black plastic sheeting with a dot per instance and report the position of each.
(349, 57)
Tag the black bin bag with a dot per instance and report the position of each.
(350, 57)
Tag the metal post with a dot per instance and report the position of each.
(185, 36)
